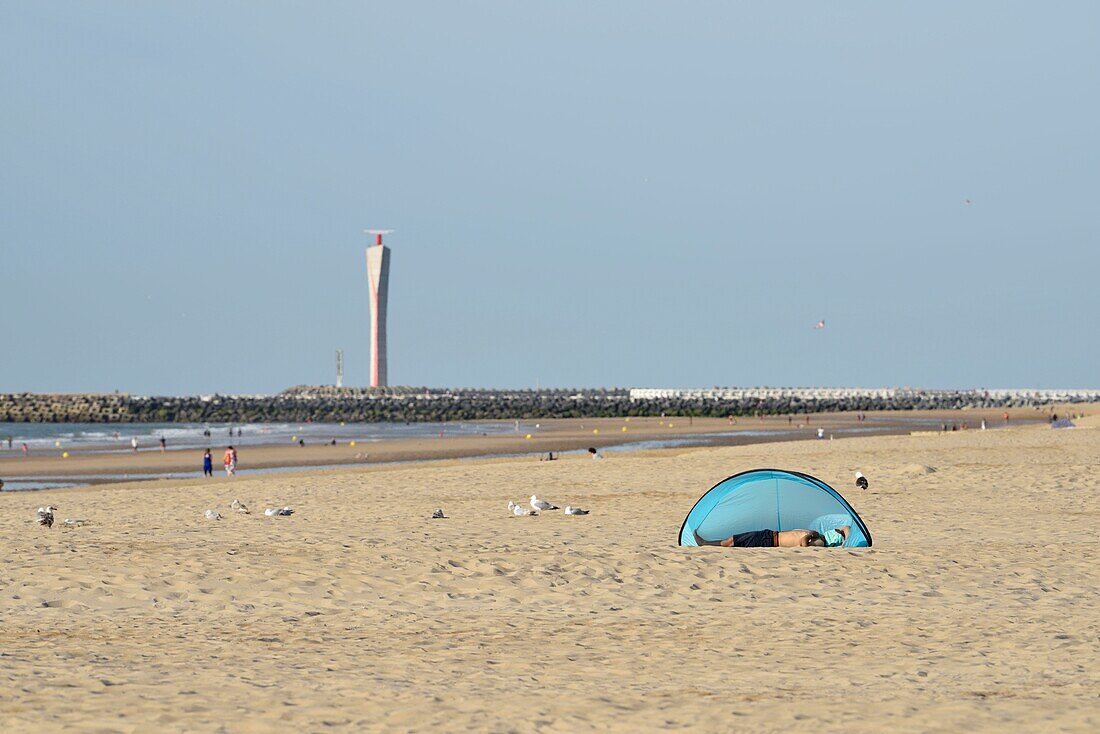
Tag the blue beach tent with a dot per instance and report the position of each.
(771, 499)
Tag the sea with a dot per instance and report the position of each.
(116, 437)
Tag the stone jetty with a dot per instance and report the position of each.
(408, 404)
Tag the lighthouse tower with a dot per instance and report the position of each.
(378, 275)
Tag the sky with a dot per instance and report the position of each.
(631, 194)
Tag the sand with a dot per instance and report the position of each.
(976, 610)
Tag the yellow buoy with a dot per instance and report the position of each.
(352, 443)
(293, 438)
(624, 429)
(57, 444)
(670, 425)
(65, 455)
(595, 431)
(627, 419)
(528, 435)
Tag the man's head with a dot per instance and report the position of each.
(815, 539)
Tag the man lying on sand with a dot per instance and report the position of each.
(781, 539)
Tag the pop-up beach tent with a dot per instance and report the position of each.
(771, 499)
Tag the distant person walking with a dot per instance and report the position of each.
(207, 464)
(9, 443)
(163, 443)
(25, 449)
(133, 443)
(230, 461)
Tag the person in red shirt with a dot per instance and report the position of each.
(230, 461)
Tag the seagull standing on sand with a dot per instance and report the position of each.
(861, 481)
(213, 515)
(44, 516)
(570, 510)
(538, 504)
(240, 507)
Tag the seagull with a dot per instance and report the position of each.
(213, 515)
(861, 481)
(75, 522)
(45, 515)
(438, 515)
(820, 324)
(239, 507)
(511, 505)
(575, 511)
(278, 512)
(519, 511)
(538, 504)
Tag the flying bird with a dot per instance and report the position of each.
(569, 510)
(44, 516)
(538, 504)
(820, 324)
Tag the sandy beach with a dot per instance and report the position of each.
(976, 609)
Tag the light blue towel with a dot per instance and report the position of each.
(827, 525)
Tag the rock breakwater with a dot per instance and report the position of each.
(330, 404)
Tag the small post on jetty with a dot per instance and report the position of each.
(339, 368)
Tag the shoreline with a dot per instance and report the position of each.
(91, 465)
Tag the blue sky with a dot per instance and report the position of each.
(585, 194)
